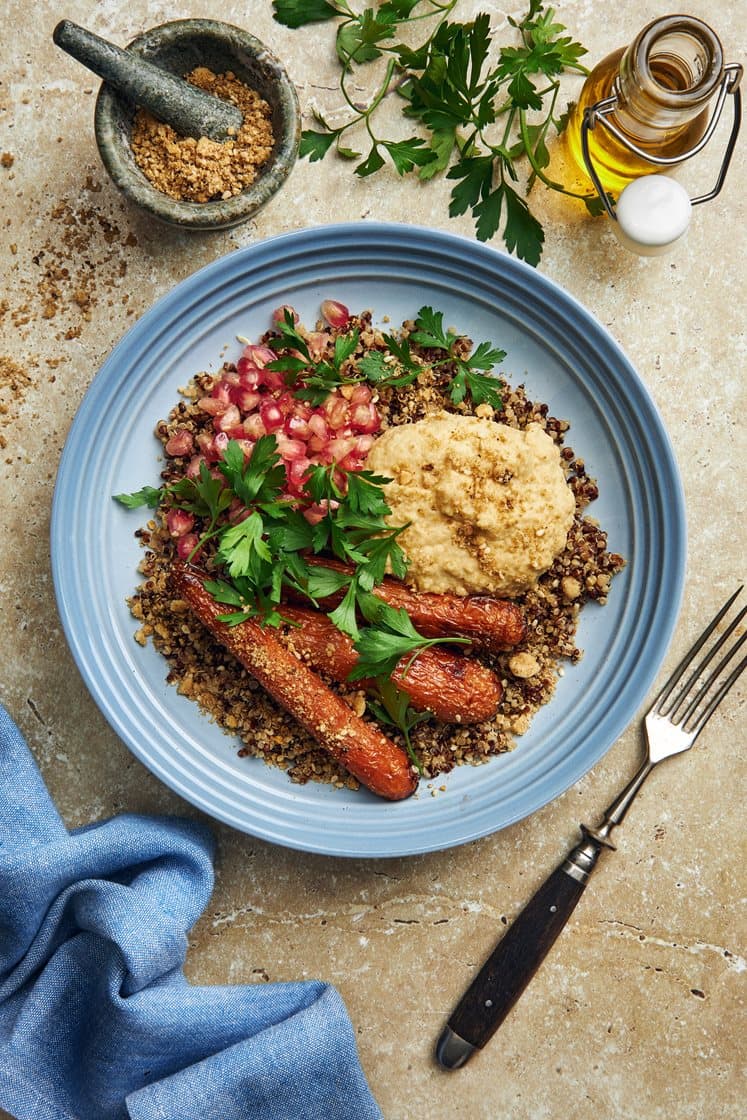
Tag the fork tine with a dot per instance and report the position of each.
(730, 680)
(701, 668)
(691, 654)
(715, 674)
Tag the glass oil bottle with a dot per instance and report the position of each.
(663, 84)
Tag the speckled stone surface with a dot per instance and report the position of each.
(636, 1014)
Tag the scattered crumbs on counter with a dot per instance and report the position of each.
(73, 270)
(14, 381)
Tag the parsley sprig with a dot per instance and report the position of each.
(270, 546)
(312, 379)
(389, 639)
(391, 706)
(467, 378)
(395, 365)
(478, 119)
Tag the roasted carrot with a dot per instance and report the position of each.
(490, 624)
(361, 748)
(452, 687)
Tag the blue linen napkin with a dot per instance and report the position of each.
(97, 1020)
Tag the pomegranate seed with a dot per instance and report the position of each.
(318, 510)
(278, 315)
(258, 355)
(272, 417)
(181, 443)
(317, 342)
(237, 511)
(351, 462)
(336, 410)
(339, 448)
(286, 403)
(273, 379)
(229, 419)
(193, 467)
(254, 427)
(215, 406)
(365, 418)
(336, 314)
(246, 399)
(290, 449)
(318, 426)
(246, 446)
(179, 522)
(236, 433)
(363, 445)
(186, 545)
(361, 394)
(297, 471)
(249, 374)
(297, 427)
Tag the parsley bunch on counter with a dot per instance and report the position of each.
(478, 119)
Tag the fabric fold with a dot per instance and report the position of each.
(97, 1020)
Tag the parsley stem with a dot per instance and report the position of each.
(445, 8)
(538, 171)
(411, 750)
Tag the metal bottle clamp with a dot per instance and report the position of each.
(599, 113)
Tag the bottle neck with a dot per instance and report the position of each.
(667, 76)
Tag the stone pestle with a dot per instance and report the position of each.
(190, 111)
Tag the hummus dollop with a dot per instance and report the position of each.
(489, 506)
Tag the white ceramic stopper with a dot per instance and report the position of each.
(652, 213)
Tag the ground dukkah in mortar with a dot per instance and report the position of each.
(367, 536)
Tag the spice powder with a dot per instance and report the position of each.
(204, 170)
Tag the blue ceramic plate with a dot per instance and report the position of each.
(562, 355)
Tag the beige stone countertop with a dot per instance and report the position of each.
(635, 1014)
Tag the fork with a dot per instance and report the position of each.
(673, 723)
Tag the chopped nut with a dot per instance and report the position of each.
(523, 665)
(570, 587)
(356, 701)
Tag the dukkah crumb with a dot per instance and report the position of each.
(14, 382)
(71, 272)
(205, 170)
(201, 669)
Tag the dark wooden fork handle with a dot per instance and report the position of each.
(517, 956)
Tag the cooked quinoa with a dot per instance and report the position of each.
(201, 668)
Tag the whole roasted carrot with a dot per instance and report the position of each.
(450, 686)
(490, 624)
(362, 749)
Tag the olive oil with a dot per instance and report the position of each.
(662, 83)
